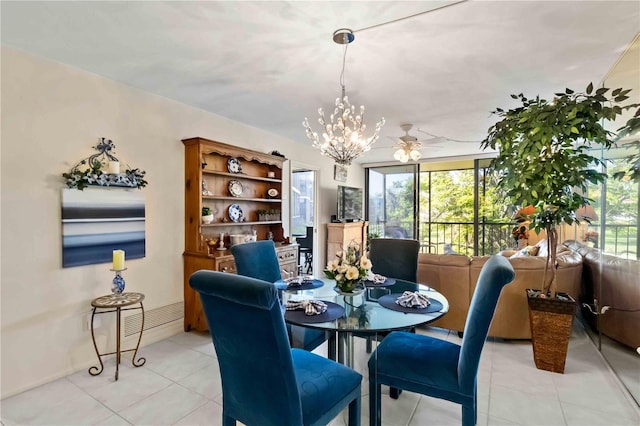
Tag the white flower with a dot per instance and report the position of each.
(349, 267)
(352, 273)
(332, 265)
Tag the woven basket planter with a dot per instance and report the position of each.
(551, 321)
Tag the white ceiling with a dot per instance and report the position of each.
(270, 64)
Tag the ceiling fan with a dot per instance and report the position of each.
(408, 146)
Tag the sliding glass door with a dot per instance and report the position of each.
(449, 207)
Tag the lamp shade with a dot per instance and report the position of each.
(586, 213)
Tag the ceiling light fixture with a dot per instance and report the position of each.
(408, 146)
(408, 150)
(343, 136)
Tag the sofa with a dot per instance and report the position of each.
(455, 276)
(615, 282)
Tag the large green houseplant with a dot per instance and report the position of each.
(544, 155)
(544, 158)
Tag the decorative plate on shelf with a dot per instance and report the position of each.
(272, 193)
(235, 188)
(233, 165)
(235, 213)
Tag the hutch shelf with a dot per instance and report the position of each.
(241, 187)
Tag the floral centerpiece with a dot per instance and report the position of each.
(349, 268)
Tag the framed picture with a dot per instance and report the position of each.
(340, 173)
(97, 221)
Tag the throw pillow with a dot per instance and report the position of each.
(543, 248)
(525, 252)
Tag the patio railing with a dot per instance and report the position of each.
(493, 237)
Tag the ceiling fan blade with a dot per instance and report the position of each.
(433, 141)
(444, 138)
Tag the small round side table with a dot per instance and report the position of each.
(117, 303)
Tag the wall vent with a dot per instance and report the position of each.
(153, 318)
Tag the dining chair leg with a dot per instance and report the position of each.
(332, 347)
(375, 402)
(228, 421)
(354, 412)
(468, 415)
(394, 393)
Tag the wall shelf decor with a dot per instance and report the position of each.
(103, 169)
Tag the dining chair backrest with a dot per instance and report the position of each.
(248, 331)
(395, 257)
(495, 274)
(306, 242)
(257, 259)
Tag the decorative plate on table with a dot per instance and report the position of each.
(233, 165)
(235, 188)
(235, 213)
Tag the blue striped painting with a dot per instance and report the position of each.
(97, 221)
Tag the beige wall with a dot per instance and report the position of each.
(51, 117)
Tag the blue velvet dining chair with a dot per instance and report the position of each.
(395, 258)
(259, 260)
(436, 367)
(264, 381)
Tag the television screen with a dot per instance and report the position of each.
(350, 203)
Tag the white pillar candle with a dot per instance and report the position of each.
(114, 167)
(118, 260)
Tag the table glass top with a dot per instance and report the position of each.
(365, 315)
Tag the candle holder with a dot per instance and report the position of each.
(117, 285)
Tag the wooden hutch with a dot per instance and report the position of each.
(243, 189)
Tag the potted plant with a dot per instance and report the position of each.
(207, 215)
(544, 161)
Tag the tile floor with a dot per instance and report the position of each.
(180, 385)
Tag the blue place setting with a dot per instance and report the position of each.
(380, 281)
(303, 282)
(298, 314)
(389, 302)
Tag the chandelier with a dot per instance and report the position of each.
(408, 146)
(343, 135)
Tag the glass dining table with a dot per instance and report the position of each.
(367, 314)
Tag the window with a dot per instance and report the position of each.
(616, 205)
(456, 207)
